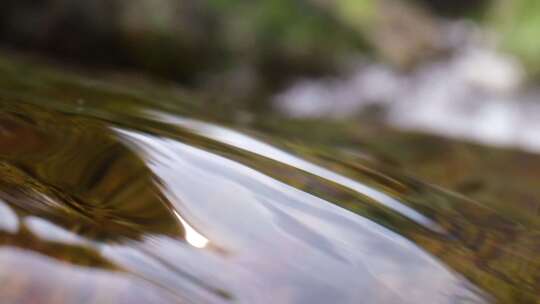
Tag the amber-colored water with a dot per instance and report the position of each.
(106, 199)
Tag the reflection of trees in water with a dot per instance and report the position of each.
(81, 178)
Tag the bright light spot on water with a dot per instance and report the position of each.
(193, 237)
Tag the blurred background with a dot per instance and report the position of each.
(467, 69)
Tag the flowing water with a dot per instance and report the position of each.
(106, 198)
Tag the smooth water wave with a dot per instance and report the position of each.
(155, 216)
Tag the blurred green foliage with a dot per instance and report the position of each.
(518, 22)
(193, 41)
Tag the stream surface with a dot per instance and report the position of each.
(124, 202)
